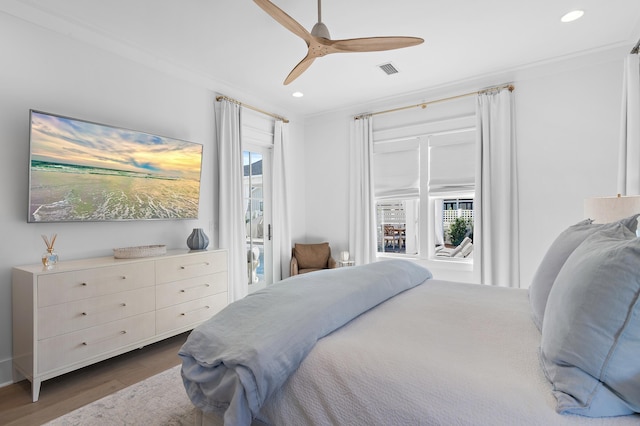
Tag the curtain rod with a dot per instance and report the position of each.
(635, 48)
(226, 98)
(423, 105)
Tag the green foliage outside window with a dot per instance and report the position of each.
(458, 229)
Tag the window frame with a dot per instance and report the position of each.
(385, 133)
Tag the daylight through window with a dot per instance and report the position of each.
(424, 184)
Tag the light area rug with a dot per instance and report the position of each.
(158, 400)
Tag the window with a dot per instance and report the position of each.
(257, 144)
(397, 191)
(424, 181)
(451, 190)
(397, 222)
(254, 215)
(454, 210)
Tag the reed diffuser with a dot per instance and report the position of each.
(50, 258)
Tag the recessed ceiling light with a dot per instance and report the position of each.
(297, 94)
(572, 16)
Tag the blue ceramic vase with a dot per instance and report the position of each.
(198, 240)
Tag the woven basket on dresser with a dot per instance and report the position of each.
(139, 251)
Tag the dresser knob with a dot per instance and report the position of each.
(197, 309)
(84, 314)
(195, 265)
(104, 339)
(184, 290)
(83, 284)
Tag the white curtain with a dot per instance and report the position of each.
(496, 221)
(232, 230)
(281, 206)
(629, 157)
(362, 217)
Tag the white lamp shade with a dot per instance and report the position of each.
(611, 209)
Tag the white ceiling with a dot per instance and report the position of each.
(234, 44)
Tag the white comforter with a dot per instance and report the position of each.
(442, 353)
(232, 363)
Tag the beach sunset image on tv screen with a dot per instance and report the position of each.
(83, 171)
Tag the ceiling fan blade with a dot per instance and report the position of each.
(373, 44)
(285, 20)
(299, 69)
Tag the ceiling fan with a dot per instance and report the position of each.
(320, 43)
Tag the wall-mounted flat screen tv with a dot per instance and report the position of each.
(83, 171)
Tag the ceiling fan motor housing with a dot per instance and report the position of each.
(320, 30)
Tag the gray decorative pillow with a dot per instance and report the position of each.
(557, 255)
(590, 344)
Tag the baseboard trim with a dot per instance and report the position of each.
(6, 372)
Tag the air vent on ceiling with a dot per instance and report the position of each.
(388, 68)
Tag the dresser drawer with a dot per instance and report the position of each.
(190, 266)
(72, 316)
(67, 349)
(182, 291)
(76, 285)
(190, 313)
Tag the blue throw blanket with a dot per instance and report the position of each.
(233, 362)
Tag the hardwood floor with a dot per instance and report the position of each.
(70, 391)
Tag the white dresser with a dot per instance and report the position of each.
(85, 311)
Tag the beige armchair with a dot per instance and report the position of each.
(311, 257)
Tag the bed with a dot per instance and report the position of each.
(434, 353)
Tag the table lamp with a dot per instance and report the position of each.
(611, 209)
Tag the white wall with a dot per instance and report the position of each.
(51, 72)
(568, 128)
(567, 121)
(326, 161)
